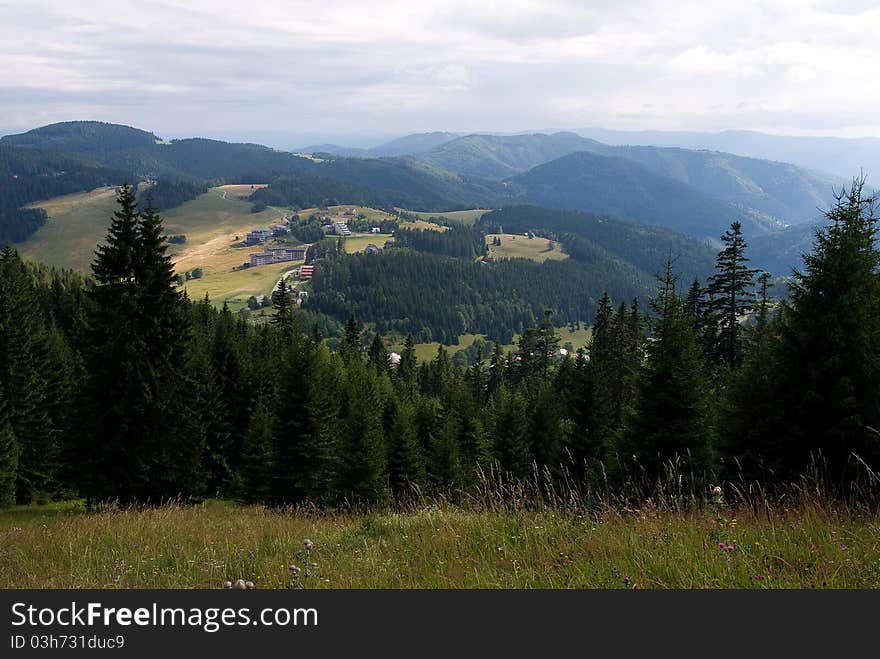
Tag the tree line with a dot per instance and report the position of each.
(120, 388)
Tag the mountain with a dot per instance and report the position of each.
(782, 192)
(496, 156)
(27, 176)
(842, 157)
(612, 185)
(140, 154)
(383, 182)
(83, 137)
(410, 145)
(407, 145)
(645, 247)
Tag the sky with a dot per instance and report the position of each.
(358, 71)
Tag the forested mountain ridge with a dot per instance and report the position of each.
(26, 177)
(611, 185)
(780, 190)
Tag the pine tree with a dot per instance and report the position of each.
(732, 296)
(350, 346)
(406, 466)
(141, 440)
(377, 356)
(671, 418)
(27, 376)
(362, 454)
(405, 373)
(255, 474)
(283, 305)
(829, 351)
(8, 458)
(509, 432)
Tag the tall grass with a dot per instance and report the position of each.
(669, 532)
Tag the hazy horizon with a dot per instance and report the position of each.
(377, 71)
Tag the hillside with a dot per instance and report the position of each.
(839, 156)
(623, 188)
(783, 192)
(494, 156)
(645, 247)
(26, 177)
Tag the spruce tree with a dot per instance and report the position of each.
(829, 350)
(672, 415)
(8, 458)
(255, 473)
(28, 379)
(732, 296)
(141, 440)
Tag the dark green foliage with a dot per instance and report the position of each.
(8, 459)
(140, 440)
(828, 366)
(166, 194)
(730, 298)
(588, 237)
(31, 381)
(463, 296)
(256, 457)
(672, 415)
(458, 240)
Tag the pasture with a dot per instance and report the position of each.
(521, 247)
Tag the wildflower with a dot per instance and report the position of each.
(227, 584)
(248, 584)
(729, 548)
(721, 545)
(733, 522)
(716, 491)
(308, 544)
(635, 586)
(239, 584)
(295, 569)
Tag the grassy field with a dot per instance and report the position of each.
(520, 247)
(76, 224)
(803, 545)
(212, 223)
(424, 225)
(578, 338)
(462, 217)
(355, 244)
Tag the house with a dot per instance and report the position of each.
(375, 230)
(371, 249)
(279, 230)
(306, 271)
(258, 235)
(349, 212)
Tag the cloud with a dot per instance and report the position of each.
(391, 67)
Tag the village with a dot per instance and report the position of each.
(334, 223)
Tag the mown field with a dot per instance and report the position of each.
(520, 247)
(76, 224)
(810, 544)
(463, 217)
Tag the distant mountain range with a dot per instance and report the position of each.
(843, 157)
(402, 146)
(696, 192)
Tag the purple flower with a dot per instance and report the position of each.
(721, 545)
(729, 548)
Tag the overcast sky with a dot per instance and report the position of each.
(337, 69)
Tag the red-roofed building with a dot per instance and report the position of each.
(306, 271)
